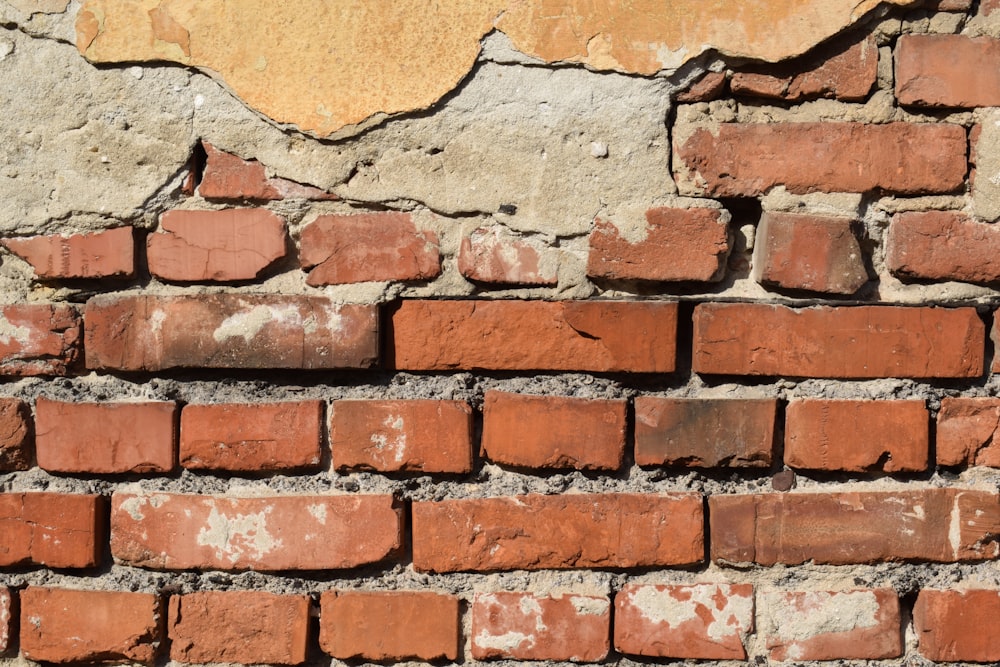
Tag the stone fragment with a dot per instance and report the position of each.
(967, 432)
(496, 255)
(6, 621)
(950, 625)
(947, 71)
(707, 88)
(51, 529)
(38, 339)
(215, 246)
(229, 177)
(107, 254)
(16, 443)
(942, 245)
(809, 252)
(339, 249)
(673, 245)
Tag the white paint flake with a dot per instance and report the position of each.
(244, 536)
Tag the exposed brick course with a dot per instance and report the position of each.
(57, 530)
(107, 254)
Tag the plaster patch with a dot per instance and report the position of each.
(590, 606)
(319, 513)
(817, 613)
(9, 332)
(247, 325)
(507, 642)
(661, 606)
(244, 536)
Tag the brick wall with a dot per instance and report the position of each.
(768, 435)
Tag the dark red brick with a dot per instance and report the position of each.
(967, 432)
(942, 245)
(947, 71)
(39, 339)
(16, 443)
(52, 529)
(954, 626)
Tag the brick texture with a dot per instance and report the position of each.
(526, 626)
(52, 529)
(601, 336)
(947, 71)
(856, 436)
(251, 437)
(496, 255)
(338, 249)
(943, 525)
(107, 254)
(951, 626)
(574, 531)
(39, 339)
(704, 433)
(62, 625)
(746, 160)
(246, 627)
(16, 442)
(289, 532)
(845, 342)
(675, 244)
(389, 625)
(709, 87)
(402, 435)
(553, 431)
(942, 245)
(230, 177)
(150, 333)
(106, 437)
(967, 432)
(702, 621)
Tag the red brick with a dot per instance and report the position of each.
(832, 625)
(846, 73)
(947, 71)
(496, 255)
(702, 621)
(52, 529)
(338, 249)
(838, 342)
(943, 245)
(704, 433)
(251, 437)
(6, 620)
(16, 443)
(524, 626)
(105, 437)
(230, 177)
(216, 246)
(856, 436)
(389, 625)
(61, 625)
(953, 626)
(600, 336)
(967, 430)
(247, 627)
(152, 333)
(809, 252)
(38, 339)
(553, 431)
(537, 532)
(401, 435)
(676, 244)
(707, 88)
(942, 525)
(746, 160)
(183, 532)
(107, 254)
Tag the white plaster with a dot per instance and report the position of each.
(234, 538)
(659, 606)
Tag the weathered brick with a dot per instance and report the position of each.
(525, 626)
(389, 625)
(953, 626)
(39, 339)
(942, 245)
(553, 431)
(746, 160)
(947, 71)
(215, 246)
(6, 620)
(61, 625)
(151, 333)
(601, 336)
(401, 435)
(701, 621)
(707, 88)
(105, 437)
(943, 525)
(838, 342)
(247, 627)
(950, 5)
(51, 529)
(832, 625)
(857, 435)
(704, 433)
(107, 254)
(338, 249)
(251, 437)
(967, 432)
(818, 253)
(674, 244)
(16, 443)
(181, 532)
(494, 254)
(542, 532)
(845, 73)
(230, 177)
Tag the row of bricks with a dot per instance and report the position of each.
(152, 333)
(614, 530)
(700, 621)
(523, 431)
